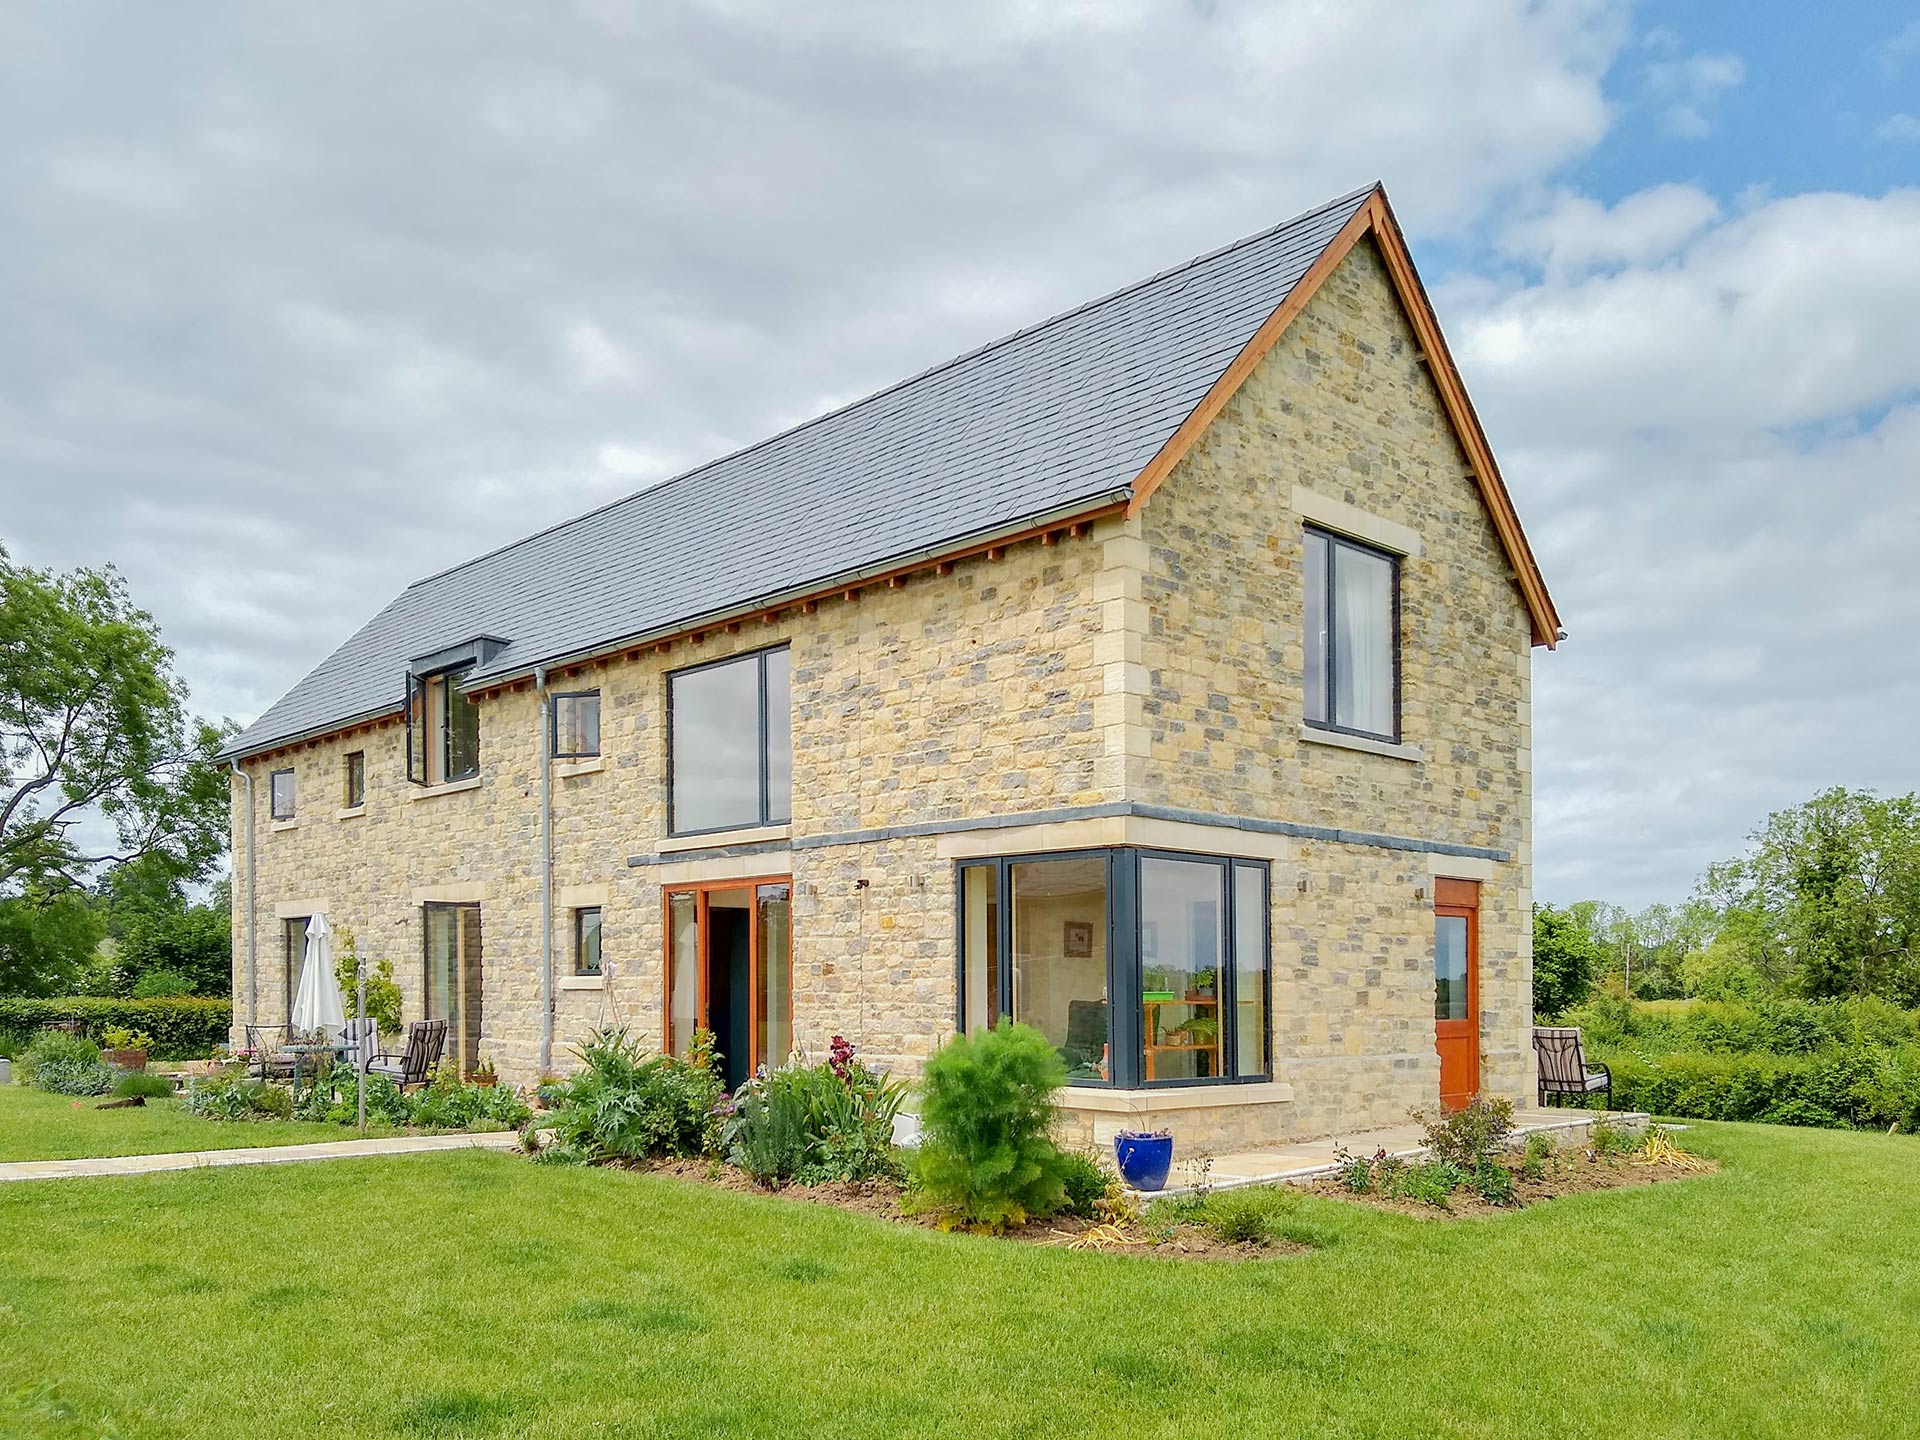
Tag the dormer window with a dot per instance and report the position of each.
(443, 730)
(443, 724)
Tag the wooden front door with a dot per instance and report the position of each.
(1456, 989)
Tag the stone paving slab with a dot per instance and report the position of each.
(1298, 1164)
(254, 1155)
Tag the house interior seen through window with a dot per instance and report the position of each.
(1141, 967)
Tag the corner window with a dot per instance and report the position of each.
(443, 730)
(586, 940)
(280, 789)
(356, 777)
(1352, 678)
(1141, 967)
(730, 744)
(576, 725)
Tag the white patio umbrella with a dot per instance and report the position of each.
(316, 1005)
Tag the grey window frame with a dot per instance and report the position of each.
(1334, 538)
(273, 794)
(353, 801)
(440, 736)
(1126, 1022)
(580, 937)
(553, 721)
(759, 659)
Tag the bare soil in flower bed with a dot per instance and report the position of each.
(1571, 1172)
(881, 1199)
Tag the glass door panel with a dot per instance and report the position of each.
(775, 987)
(1181, 949)
(454, 977)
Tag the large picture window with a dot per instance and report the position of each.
(1142, 967)
(730, 739)
(1352, 678)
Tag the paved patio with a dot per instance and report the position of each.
(1309, 1160)
(257, 1155)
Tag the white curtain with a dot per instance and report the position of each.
(1363, 623)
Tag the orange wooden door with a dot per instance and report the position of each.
(1456, 989)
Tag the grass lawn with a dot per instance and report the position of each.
(37, 1126)
(475, 1294)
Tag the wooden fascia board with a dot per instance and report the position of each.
(1376, 218)
(1466, 421)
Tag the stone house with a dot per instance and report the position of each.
(1158, 675)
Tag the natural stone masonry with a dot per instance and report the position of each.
(1149, 668)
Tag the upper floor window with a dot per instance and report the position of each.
(356, 779)
(280, 788)
(576, 725)
(730, 744)
(1353, 637)
(443, 730)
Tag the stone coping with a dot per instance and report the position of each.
(253, 1155)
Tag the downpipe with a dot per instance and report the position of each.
(546, 870)
(253, 948)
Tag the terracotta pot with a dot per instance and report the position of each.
(125, 1059)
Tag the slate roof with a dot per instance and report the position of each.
(1054, 418)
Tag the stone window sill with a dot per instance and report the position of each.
(1361, 743)
(293, 824)
(1157, 1101)
(582, 982)
(720, 839)
(567, 769)
(431, 792)
(352, 812)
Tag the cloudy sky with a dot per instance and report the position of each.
(303, 303)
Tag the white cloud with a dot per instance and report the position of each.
(1795, 313)
(1900, 127)
(1686, 89)
(1570, 233)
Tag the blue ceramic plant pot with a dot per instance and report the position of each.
(1144, 1159)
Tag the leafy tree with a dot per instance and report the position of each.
(47, 941)
(1826, 899)
(93, 723)
(1564, 960)
(193, 942)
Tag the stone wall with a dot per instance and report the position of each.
(1343, 410)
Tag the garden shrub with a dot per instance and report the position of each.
(986, 1158)
(815, 1124)
(628, 1104)
(1539, 1151)
(235, 1097)
(145, 1086)
(1238, 1219)
(1086, 1182)
(386, 1106)
(1493, 1182)
(1470, 1137)
(1430, 1182)
(65, 1064)
(444, 1103)
(160, 985)
(182, 1027)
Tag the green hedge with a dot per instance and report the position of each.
(1775, 1027)
(1866, 1087)
(183, 1027)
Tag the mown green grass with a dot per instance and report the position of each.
(37, 1126)
(475, 1294)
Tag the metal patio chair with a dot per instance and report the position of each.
(426, 1039)
(1563, 1067)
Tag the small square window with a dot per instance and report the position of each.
(576, 725)
(356, 779)
(280, 785)
(586, 940)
